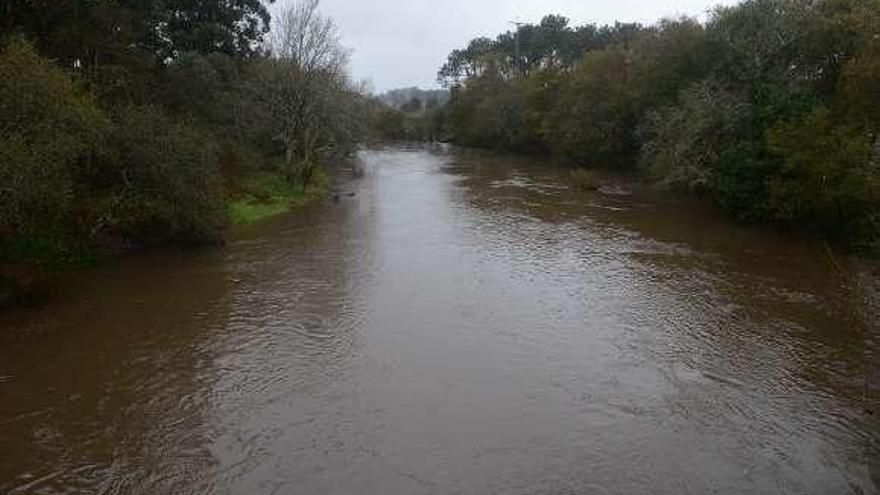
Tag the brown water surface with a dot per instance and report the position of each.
(465, 324)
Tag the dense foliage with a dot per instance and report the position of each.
(770, 107)
(409, 114)
(138, 122)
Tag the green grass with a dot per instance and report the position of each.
(244, 210)
(266, 195)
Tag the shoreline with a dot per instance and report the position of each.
(28, 283)
(268, 195)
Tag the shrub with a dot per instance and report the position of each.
(164, 179)
(682, 143)
(827, 177)
(48, 127)
(594, 120)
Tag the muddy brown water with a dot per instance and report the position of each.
(465, 324)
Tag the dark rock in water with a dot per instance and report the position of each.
(23, 284)
(337, 195)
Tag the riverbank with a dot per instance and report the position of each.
(680, 101)
(26, 269)
(267, 195)
(461, 306)
(865, 247)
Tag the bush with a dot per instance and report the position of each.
(164, 180)
(682, 143)
(827, 177)
(48, 128)
(594, 120)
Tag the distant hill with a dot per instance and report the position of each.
(414, 99)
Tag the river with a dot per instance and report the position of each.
(463, 324)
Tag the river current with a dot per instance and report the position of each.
(463, 324)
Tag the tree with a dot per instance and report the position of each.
(682, 143)
(303, 89)
(162, 180)
(594, 120)
(230, 27)
(48, 128)
(90, 33)
(827, 178)
(469, 63)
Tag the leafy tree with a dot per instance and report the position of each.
(667, 58)
(826, 177)
(49, 127)
(594, 121)
(683, 142)
(230, 27)
(137, 121)
(93, 33)
(469, 63)
(489, 113)
(769, 108)
(161, 180)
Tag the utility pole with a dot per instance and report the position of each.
(518, 59)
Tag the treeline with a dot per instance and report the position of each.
(411, 114)
(414, 99)
(771, 108)
(138, 122)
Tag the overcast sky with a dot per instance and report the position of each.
(401, 43)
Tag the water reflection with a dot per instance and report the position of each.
(105, 391)
(750, 332)
(292, 335)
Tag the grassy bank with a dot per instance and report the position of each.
(266, 195)
(27, 263)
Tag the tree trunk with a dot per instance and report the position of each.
(289, 167)
(306, 173)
